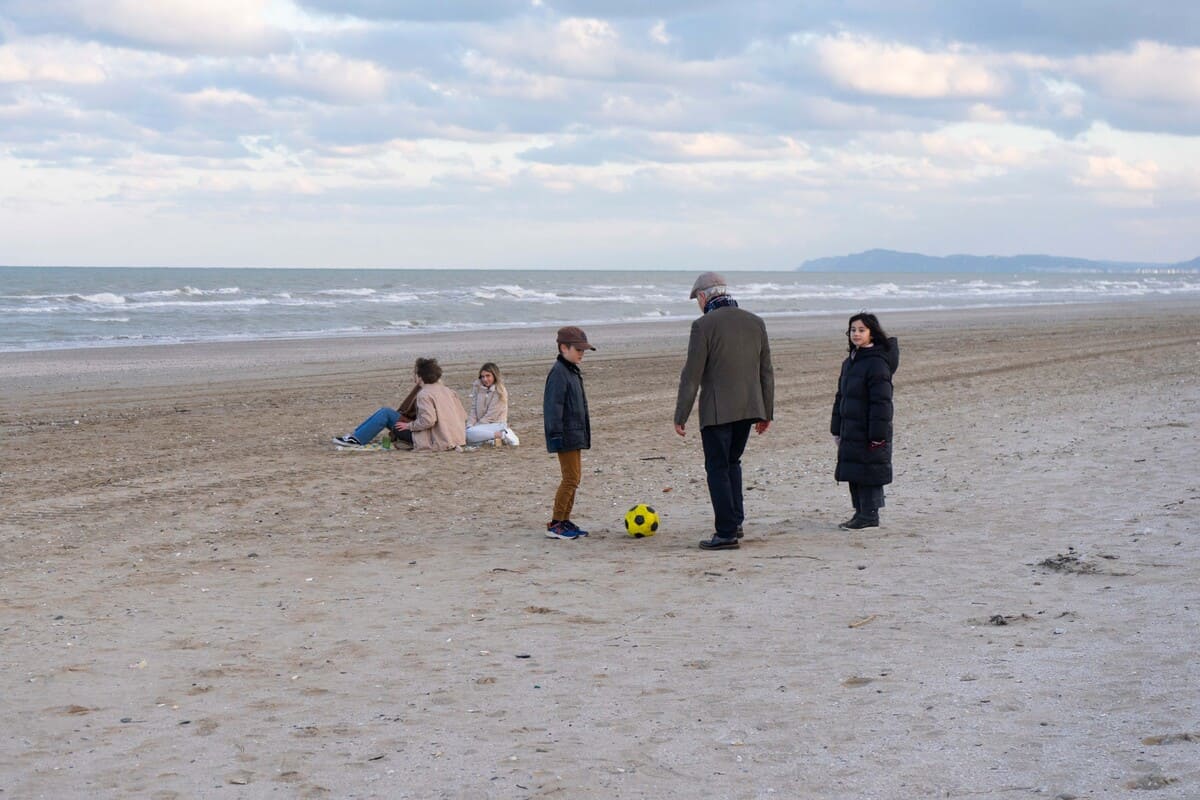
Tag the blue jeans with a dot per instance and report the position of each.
(372, 425)
(723, 448)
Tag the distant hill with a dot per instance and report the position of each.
(895, 261)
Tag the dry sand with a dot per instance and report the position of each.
(200, 597)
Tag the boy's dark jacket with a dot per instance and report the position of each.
(862, 413)
(564, 409)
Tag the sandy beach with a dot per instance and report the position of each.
(201, 598)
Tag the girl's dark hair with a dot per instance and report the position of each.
(879, 336)
(492, 368)
(428, 370)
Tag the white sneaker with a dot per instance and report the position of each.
(509, 438)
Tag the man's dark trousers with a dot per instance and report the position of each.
(723, 448)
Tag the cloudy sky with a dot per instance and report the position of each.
(594, 133)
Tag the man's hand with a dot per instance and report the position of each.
(680, 430)
(761, 426)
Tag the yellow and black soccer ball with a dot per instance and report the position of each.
(641, 521)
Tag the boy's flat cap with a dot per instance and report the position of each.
(575, 337)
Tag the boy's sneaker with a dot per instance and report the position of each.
(346, 441)
(571, 526)
(559, 530)
(509, 438)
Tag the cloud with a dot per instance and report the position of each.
(1116, 173)
(666, 148)
(890, 69)
(423, 10)
(1148, 72)
(328, 76)
(658, 33)
(908, 118)
(45, 62)
(590, 49)
(214, 27)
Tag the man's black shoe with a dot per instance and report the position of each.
(717, 543)
(739, 532)
(860, 522)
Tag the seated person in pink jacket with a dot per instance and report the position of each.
(487, 411)
(439, 422)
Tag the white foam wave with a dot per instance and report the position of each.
(583, 294)
(404, 298)
(515, 292)
(37, 310)
(347, 292)
(207, 306)
(100, 298)
(187, 291)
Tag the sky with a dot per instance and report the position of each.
(620, 134)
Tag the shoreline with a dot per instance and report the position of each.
(84, 368)
(507, 330)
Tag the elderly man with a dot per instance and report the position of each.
(729, 363)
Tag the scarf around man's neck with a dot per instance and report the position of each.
(720, 301)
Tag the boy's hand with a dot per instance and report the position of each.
(680, 430)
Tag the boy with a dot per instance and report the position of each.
(568, 429)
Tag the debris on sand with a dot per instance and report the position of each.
(1151, 782)
(1069, 562)
(1172, 738)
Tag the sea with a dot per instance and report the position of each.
(44, 308)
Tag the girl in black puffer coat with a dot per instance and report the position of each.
(862, 418)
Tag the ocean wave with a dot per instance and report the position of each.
(583, 294)
(100, 298)
(46, 309)
(403, 298)
(515, 292)
(187, 291)
(249, 302)
(285, 304)
(347, 292)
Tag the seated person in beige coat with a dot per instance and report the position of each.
(439, 422)
(487, 412)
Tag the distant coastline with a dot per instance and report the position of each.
(896, 261)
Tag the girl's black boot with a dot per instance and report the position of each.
(862, 520)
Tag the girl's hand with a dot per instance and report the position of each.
(401, 425)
